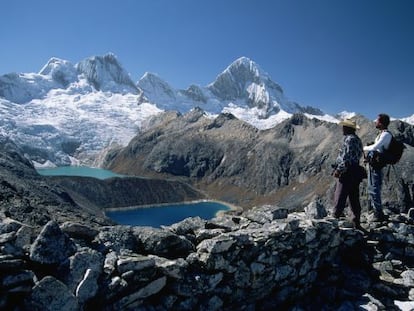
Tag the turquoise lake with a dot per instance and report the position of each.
(154, 216)
(78, 171)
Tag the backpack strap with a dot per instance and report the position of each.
(387, 175)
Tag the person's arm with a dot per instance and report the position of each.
(381, 144)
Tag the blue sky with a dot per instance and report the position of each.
(353, 55)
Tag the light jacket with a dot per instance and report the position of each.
(382, 141)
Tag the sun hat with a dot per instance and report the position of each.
(349, 123)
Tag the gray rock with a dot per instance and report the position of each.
(188, 226)
(9, 225)
(7, 237)
(408, 277)
(110, 263)
(88, 287)
(134, 263)
(50, 295)
(117, 238)
(163, 243)
(172, 268)
(219, 244)
(9, 263)
(17, 279)
(315, 210)
(24, 237)
(196, 284)
(52, 246)
(150, 289)
(80, 263)
(76, 230)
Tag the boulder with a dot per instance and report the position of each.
(52, 246)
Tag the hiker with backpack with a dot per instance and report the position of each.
(375, 159)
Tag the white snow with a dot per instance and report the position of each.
(345, 115)
(68, 114)
(409, 120)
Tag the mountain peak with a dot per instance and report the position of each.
(244, 81)
(154, 86)
(53, 63)
(61, 71)
(245, 63)
(106, 74)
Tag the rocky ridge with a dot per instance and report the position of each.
(27, 197)
(233, 161)
(58, 255)
(259, 259)
(125, 191)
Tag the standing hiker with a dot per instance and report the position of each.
(375, 175)
(349, 173)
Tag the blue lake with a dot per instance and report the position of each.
(166, 215)
(154, 216)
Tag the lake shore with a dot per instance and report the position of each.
(129, 208)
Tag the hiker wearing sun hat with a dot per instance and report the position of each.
(349, 173)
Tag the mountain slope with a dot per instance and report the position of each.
(235, 162)
(30, 198)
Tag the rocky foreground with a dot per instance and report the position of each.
(263, 259)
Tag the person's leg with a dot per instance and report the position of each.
(374, 189)
(355, 204)
(341, 194)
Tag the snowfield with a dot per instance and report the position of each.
(70, 114)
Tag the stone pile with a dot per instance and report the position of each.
(261, 259)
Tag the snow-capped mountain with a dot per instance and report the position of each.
(67, 114)
(409, 120)
(106, 74)
(242, 89)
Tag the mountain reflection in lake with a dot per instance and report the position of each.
(167, 214)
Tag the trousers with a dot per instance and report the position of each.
(347, 188)
(374, 188)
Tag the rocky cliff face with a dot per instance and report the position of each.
(125, 191)
(27, 197)
(34, 200)
(232, 161)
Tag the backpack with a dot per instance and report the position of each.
(391, 155)
(394, 151)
